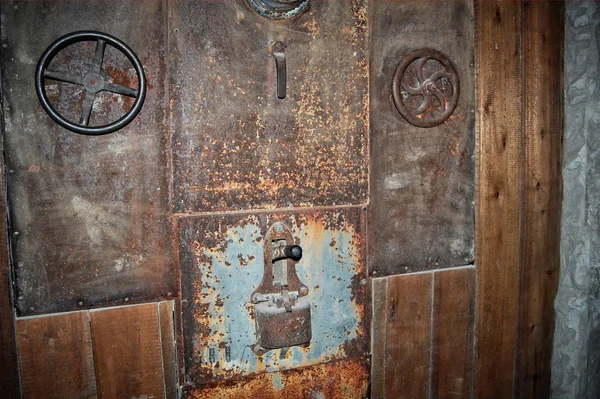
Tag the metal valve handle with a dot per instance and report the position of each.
(434, 97)
(93, 82)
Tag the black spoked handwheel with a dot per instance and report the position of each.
(93, 82)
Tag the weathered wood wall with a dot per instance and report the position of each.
(423, 335)
(504, 332)
(122, 352)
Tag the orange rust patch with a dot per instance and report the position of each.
(347, 379)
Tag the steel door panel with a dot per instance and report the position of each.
(421, 213)
(222, 263)
(236, 146)
(89, 215)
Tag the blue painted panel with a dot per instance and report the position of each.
(222, 263)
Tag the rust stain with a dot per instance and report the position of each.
(339, 380)
(227, 262)
(258, 152)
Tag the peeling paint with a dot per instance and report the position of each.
(217, 286)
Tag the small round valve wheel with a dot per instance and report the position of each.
(94, 81)
(278, 9)
(426, 88)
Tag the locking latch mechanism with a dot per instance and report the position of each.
(281, 312)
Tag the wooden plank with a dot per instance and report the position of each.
(499, 84)
(127, 352)
(56, 356)
(167, 339)
(378, 337)
(453, 319)
(540, 234)
(408, 346)
(9, 369)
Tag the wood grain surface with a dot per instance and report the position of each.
(56, 356)
(127, 352)
(542, 187)
(499, 85)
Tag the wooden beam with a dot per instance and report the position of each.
(56, 356)
(543, 35)
(499, 103)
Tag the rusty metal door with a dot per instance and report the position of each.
(241, 149)
(245, 159)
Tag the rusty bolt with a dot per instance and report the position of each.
(258, 350)
(303, 291)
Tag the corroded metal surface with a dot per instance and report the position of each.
(347, 379)
(89, 214)
(235, 144)
(222, 264)
(421, 213)
(426, 88)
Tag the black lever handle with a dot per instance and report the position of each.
(293, 252)
(277, 49)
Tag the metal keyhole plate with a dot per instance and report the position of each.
(426, 88)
